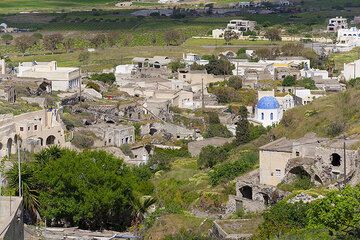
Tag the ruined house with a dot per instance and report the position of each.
(113, 134)
(323, 161)
(8, 94)
(36, 130)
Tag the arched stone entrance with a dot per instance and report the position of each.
(50, 140)
(246, 192)
(335, 160)
(9, 146)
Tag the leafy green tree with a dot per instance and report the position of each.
(99, 40)
(227, 171)
(52, 41)
(226, 94)
(176, 65)
(229, 35)
(235, 82)
(217, 130)
(219, 67)
(210, 156)
(213, 118)
(273, 34)
(282, 218)
(307, 83)
(24, 42)
(243, 127)
(289, 81)
(338, 212)
(173, 38)
(196, 66)
(91, 190)
(104, 77)
(241, 53)
(257, 131)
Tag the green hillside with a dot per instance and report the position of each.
(328, 116)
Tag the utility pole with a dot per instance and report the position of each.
(202, 94)
(344, 161)
(19, 166)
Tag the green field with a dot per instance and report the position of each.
(50, 5)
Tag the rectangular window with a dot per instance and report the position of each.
(277, 172)
(28, 128)
(297, 154)
(35, 127)
(21, 129)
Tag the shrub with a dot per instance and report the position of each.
(217, 130)
(104, 77)
(289, 81)
(235, 82)
(334, 129)
(93, 85)
(283, 218)
(307, 83)
(210, 156)
(230, 170)
(82, 140)
(162, 158)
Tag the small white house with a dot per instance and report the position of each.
(61, 78)
(351, 70)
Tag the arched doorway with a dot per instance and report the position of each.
(246, 192)
(41, 141)
(1, 149)
(9, 146)
(335, 160)
(50, 140)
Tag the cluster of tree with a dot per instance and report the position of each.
(173, 38)
(218, 66)
(176, 65)
(91, 189)
(336, 216)
(210, 156)
(288, 49)
(290, 81)
(215, 128)
(53, 42)
(162, 158)
(108, 78)
(273, 34)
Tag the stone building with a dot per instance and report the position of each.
(36, 130)
(8, 94)
(323, 161)
(113, 134)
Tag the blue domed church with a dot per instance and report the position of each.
(268, 111)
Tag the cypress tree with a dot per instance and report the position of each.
(243, 127)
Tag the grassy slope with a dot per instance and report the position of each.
(342, 108)
(180, 190)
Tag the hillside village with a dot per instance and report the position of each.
(250, 131)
